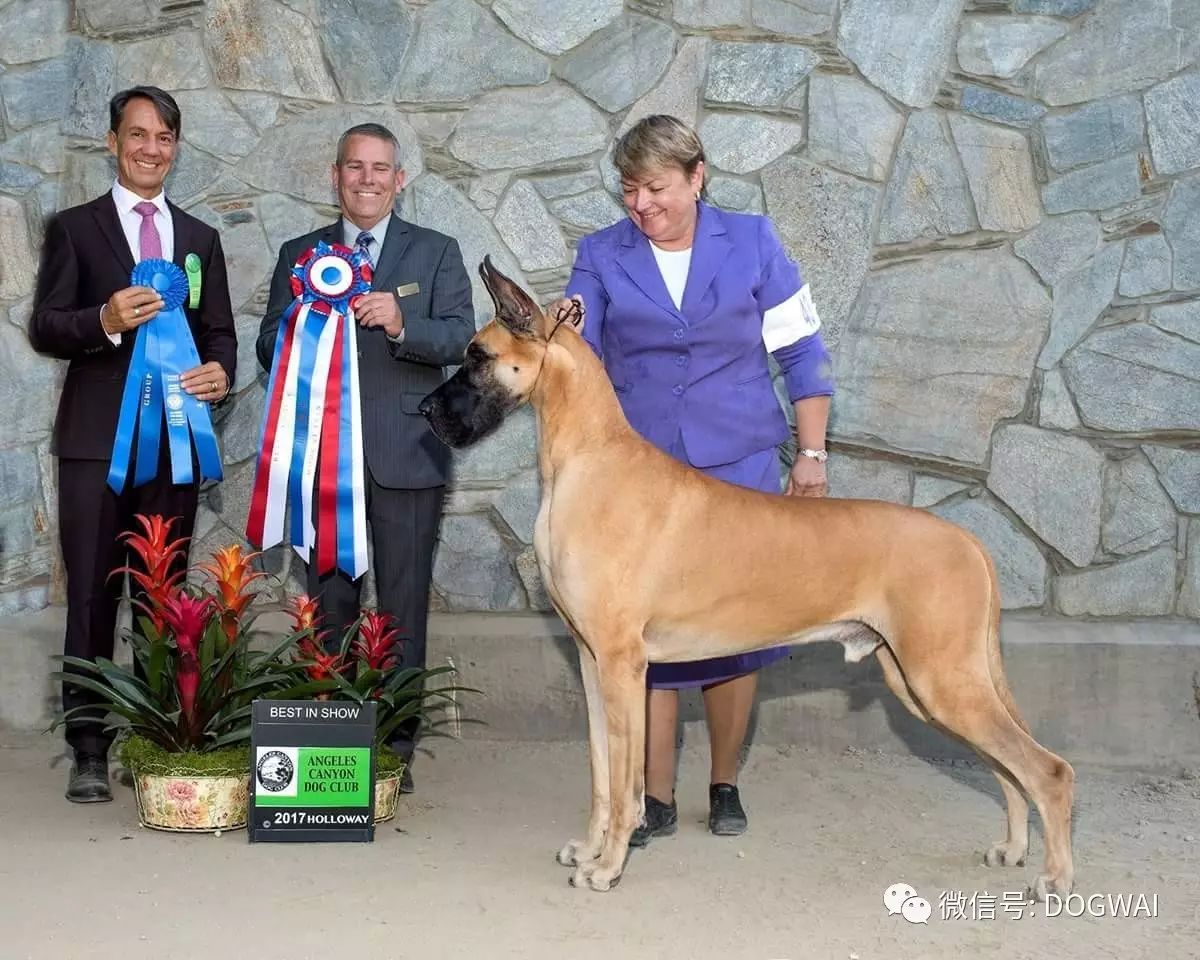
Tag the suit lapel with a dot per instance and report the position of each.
(710, 251)
(637, 259)
(105, 212)
(181, 228)
(395, 244)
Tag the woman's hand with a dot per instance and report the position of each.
(565, 309)
(807, 478)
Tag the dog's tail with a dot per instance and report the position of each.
(995, 661)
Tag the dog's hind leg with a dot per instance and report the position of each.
(622, 675)
(964, 700)
(1010, 852)
(581, 851)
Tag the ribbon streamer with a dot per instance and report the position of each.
(310, 448)
(162, 350)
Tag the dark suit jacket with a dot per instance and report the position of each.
(398, 446)
(85, 260)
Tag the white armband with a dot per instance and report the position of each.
(790, 321)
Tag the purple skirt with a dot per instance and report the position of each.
(759, 471)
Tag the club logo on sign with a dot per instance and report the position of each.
(275, 771)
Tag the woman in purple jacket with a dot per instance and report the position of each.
(683, 302)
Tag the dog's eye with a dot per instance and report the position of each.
(516, 369)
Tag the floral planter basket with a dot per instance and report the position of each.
(196, 804)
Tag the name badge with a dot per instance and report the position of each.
(408, 289)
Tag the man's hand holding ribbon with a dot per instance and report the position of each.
(379, 309)
(129, 308)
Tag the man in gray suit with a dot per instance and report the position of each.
(416, 319)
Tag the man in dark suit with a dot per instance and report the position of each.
(417, 319)
(85, 311)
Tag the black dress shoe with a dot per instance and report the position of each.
(89, 781)
(406, 780)
(726, 818)
(661, 820)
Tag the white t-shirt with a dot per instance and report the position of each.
(674, 265)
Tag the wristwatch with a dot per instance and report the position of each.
(819, 455)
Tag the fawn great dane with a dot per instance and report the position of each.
(646, 559)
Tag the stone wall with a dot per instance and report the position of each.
(997, 202)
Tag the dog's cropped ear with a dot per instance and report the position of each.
(514, 309)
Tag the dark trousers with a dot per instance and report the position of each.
(91, 519)
(403, 528)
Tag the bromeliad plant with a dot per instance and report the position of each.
(194, 676)
(366, 667)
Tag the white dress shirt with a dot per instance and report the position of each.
(131, 226)
(350, 232)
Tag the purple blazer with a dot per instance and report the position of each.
(698, 374)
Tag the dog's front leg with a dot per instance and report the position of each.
(623, 687)
(581, 851)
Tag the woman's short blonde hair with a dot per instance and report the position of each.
(657, 142)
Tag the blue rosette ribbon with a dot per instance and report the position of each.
(162, 350)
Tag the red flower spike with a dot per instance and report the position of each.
(378, 641)
(158, 555)
(232, 573)
(187, 617)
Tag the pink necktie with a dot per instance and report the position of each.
(148, 239)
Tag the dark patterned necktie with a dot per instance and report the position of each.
(363, 243)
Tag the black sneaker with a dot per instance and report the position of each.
(88, 782)
(661, 820)
(726, 818)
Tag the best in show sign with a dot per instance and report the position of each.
(314, 771)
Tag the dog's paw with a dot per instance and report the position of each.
(1006, 853)
(591, 876)
(1047, 884)
(576, 852)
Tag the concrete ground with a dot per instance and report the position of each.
(466, 870)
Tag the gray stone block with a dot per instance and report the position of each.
(1120, 47)
(740, 143)
(1135, 378)
(363, 41)
(1079, 299)
(1001, 46)
(928, 491)
(509, 451)
(835, 255)
(708, 13)
(1179, 318)
(37, 95)
(1054, 483)
(1094, 187)
(1054, 8)
(215, 126)
(757, 74)
(556, 26)
(1147, 267)
(192, 174)
(927, 195)
(1056, 410)
(1179, 471)
(531, 233)
(1020, 566)
(905, 376)
(1142, 586)
(1138, 515)
(904, 49)
(678, 93)
(1173, 118)
(101, 18)
(621, 62)
(1189, 595)
(795, 18)
(286, 54)
(589, 211)
(518, 504)
(490, 56)
(34, 31)
(169, 61)
(1001, 107)
(1000, 173)
(472, 568)
(240, 429)
(1095, 132)
(1181, 227)
(93, 83)
(732, 194)
(18, 265)
(294, 157)
(1058, 246)
(855, 478)
(29, 388)
(494, 132)
(851, 126)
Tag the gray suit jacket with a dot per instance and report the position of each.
(400, 450)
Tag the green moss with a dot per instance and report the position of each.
(387, 763)
(141, 756)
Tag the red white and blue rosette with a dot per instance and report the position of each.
(310, 452)
(163, 349)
